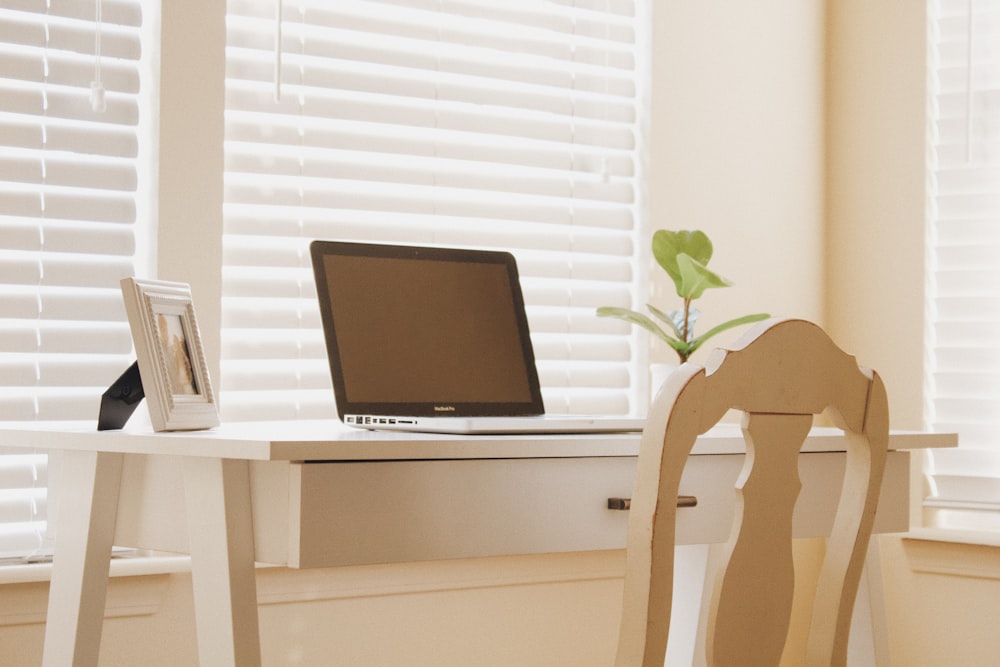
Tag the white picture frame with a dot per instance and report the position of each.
(168, 348)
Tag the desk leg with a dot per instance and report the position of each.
(869, 640)
(220, 530)
(85, 527)
(692, 567)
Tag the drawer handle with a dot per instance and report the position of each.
(626, 503)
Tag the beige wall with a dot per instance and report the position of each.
(793, 133)
(875, 231)
(943, 602)
(188, 121)
(942, 598)
(737, 134)
(534, 611)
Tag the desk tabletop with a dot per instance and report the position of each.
(330, 440)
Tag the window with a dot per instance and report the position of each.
(513, 125)
(965, 261)
(68, 182)
(508, 125)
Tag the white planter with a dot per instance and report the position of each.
(658, 374)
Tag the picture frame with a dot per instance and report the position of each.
(170, 355)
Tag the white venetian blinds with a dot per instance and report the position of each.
(507, 125)
(965, 225)
(67, 215)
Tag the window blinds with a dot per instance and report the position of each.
(965, 260)
(462, 122)
(67, 213)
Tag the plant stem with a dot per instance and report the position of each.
(686, 330)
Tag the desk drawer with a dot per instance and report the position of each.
(393, 511)
(345, 513)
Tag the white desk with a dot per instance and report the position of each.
(317, 494)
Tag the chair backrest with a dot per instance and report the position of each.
(780, 374)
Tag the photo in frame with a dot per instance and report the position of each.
(170, 355)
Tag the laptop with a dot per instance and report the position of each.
(430, 339)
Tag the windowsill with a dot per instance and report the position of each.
(950, 552)
(371, 580)
(986, 538)
(131, 566)
(137, 587)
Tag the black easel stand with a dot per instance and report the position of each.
(120, 400)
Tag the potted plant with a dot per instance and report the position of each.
(684, 255)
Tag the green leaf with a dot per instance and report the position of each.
(675, 318)
(636, 318)
(671, 319)
(682, 348)
(725, 326)
(695, 278)
(668, 245)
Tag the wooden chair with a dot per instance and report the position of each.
(780, 374)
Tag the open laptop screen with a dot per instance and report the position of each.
(425, 331)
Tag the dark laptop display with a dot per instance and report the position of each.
(425, 331)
